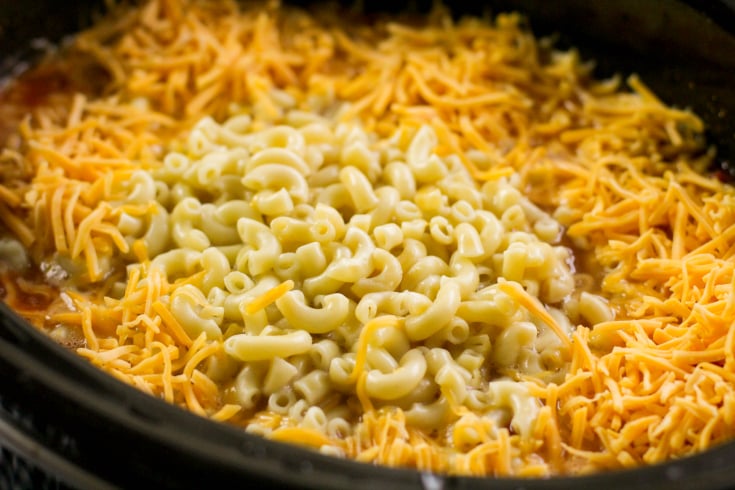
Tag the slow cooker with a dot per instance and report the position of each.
(65, 424)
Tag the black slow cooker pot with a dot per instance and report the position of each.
(65, 424)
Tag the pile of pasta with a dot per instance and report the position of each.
(435, 243)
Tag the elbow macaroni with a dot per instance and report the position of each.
(413, 241)
(358, 240)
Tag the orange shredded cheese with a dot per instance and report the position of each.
(269, 297)
(533, 305)
(300, 435)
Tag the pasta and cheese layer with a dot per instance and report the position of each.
(435, 243)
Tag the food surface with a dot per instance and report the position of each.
(422, 241)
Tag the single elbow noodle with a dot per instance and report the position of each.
(436, 316)
(594, 308)
(351, 269)
(216, 267)
(275, 176)
(392, 303)
(247, 387)
(428, 416)
(399, 383)
(158, 234)
(247, 347)
(360, 189)
(262, 249)
(332, 313)
(177, 262)
(280, 373)
(512, 340)
(281, 156)
(187, 304)
(469, 243)
(387, 279)
(516, 397)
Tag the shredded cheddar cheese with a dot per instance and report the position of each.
(269, 297)
(535, 307)
(618, 168)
